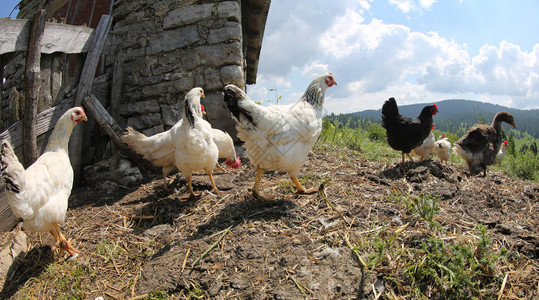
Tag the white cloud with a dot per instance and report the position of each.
(404, 5)
(407, 6)
(374, 60)
(365, 5)
(314, 69)
(257, 93)
(427, 3)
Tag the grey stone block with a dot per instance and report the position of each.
(187, 15)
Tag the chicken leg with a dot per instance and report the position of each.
(300, 189)
(256, 187)
(65, 245)
(221, 168)
(191, 193)
(215, 189)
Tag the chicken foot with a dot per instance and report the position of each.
(191, 193)
(215, 189)
(300, 189)
(409, 156)
(65, 245)
(256, 187)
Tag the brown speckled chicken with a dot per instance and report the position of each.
(480, 145)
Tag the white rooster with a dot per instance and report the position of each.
(279, 137)
(425, 149)
(194, 148)
(39, 194)
(443, 148)
(159, 148)
(501, 153)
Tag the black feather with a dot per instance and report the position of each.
(189, 113)
(390, 111)
(404, 133)
(232, 98)
(10, 184)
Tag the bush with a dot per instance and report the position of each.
(525, 166)
(376, 132)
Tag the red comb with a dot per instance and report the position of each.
(435, 105)
(443, 135)
(506, 142)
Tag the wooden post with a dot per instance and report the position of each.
(32, 81)
(116, 91)
(84, 88)
(113, 130)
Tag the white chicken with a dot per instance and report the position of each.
(39, 194)
(225, 144)
(279, 137)
(501, 153)
(425, 149)
(443, 148)
(159, 148)
(194, 148)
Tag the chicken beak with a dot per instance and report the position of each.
(513, 124)
(84, 118)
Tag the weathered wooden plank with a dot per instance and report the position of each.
(46, 120)
(32, 81)
(15, 34)
(117, 82)
(103, 118)
(116, 90)
(84, 89)
(7, 218)
(114, 131)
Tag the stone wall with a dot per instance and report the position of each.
(170, 47)
(167, 48)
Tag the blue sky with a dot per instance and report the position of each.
(7, 6)
(418, 51)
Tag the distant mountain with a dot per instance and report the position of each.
(455, 114)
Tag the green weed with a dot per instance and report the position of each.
(456, 270)
(157, 295)
(424, 206)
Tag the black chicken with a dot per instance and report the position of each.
(480, 145)
(405, 133)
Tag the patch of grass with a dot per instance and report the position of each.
(459, 270)
(108, 250)
(195, 290)
(525, 165)
(68, 280)
(157, 295)
(424, 206)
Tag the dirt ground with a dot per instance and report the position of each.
(137, 240)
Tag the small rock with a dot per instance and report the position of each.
(159, 230)
(328, 252)
(115, 169)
